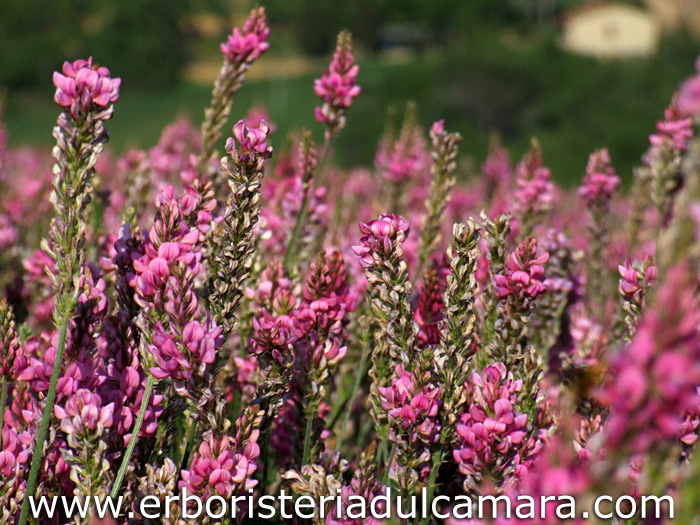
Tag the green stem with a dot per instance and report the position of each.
(290, 254)
(134, 437)
(47, 413)
(265, 454)
(307, 436)
(385, 478)
(188, 445)
(437, 461)
(353, 397)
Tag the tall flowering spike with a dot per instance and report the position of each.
(320, 320)
(337, 87)
(659, 179)
(535, 192)
(495, 442)
(412, 404)
(404, 160)
(176, 343)
(9, 344)
(381, 255)
(634, 287)
(307, 202)
(86, 96)
(444, 154)
(599, 184)
(183, 346)
(664, 158)
(241, 49)
(86, 93)
(517, 288)
(497, 169)
(458, 328)
(232, 245)
(654, 380)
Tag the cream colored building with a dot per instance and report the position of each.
(611, 30)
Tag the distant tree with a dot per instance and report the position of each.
(142, 40)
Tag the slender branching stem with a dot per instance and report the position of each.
(134, 438)
(46, 415)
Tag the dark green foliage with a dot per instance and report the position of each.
(140, 40)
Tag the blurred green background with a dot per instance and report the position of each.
(484, 65)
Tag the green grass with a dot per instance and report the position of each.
(527, 88)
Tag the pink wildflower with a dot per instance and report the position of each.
(218, 469)
(689, 94)
(179, 356)
(337, 87)
(600, 180)
(83, 86)
(250, 43)
(380, 237)
(83, 413)
(535, 191)
(493, 434)
(524, 272)
(633, 281)
(251, 141)
(676, 128)
(414, 408)
(654, 379)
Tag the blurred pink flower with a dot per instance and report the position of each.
(250, 43)
(337, 87)
(600, 181)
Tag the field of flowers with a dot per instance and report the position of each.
(178, 320)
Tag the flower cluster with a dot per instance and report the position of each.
(600, 180)
(676, 128)
(337, 87)
(494, 437)
(250, 43)
(251, 141)
(84, 87)
(83, 413)
(524, 275)
(380, 238)
(414, 408)
(535, 191)
(689, 94)
(406, 158)
(219, 469)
